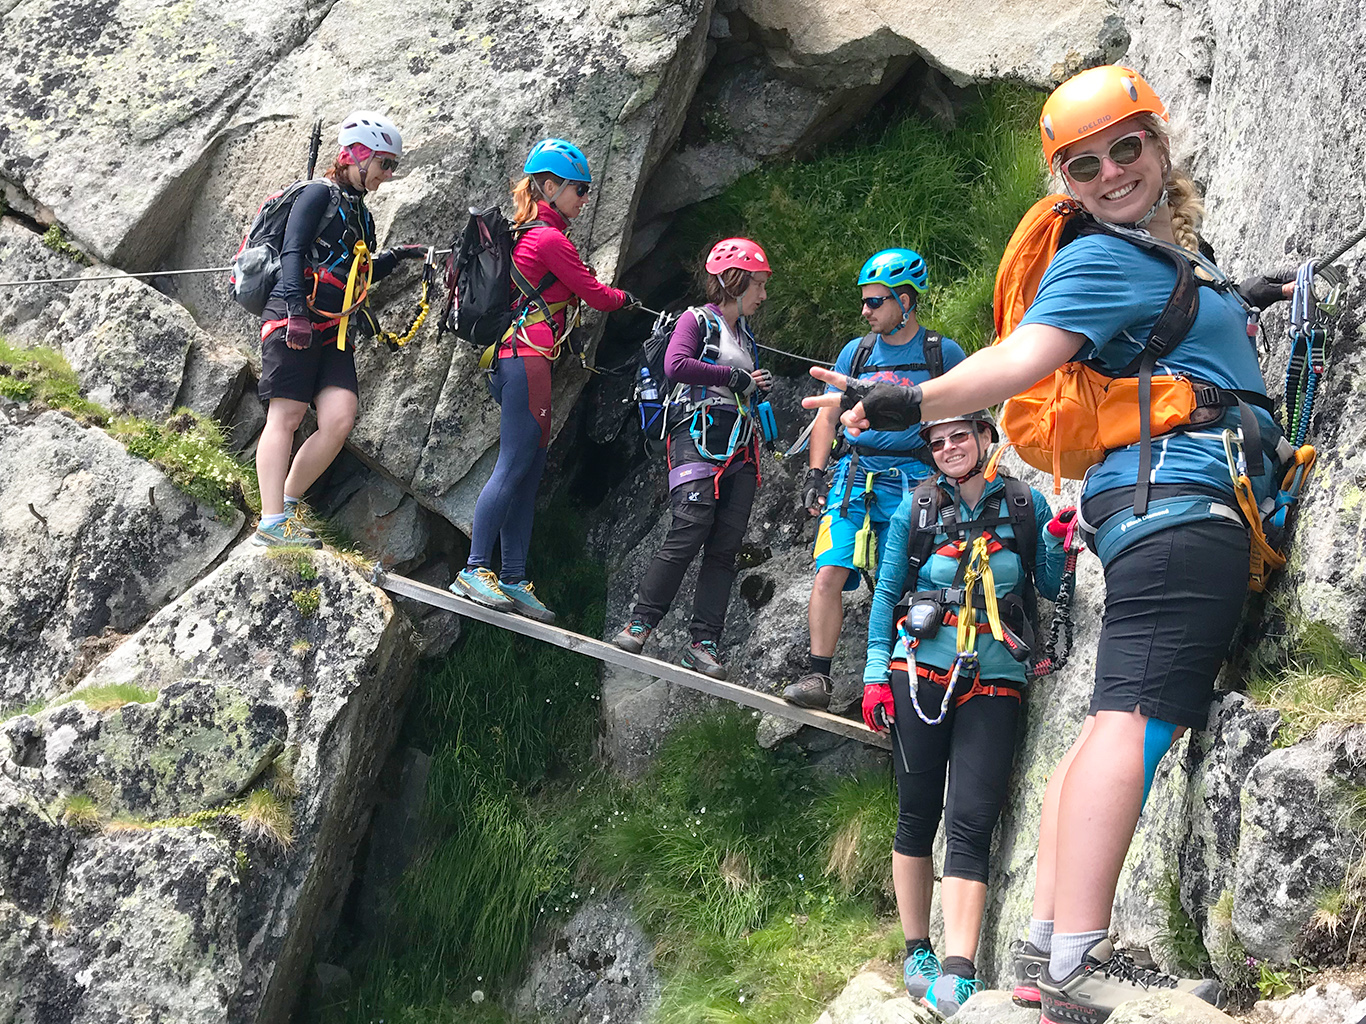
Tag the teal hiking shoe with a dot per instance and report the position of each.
(921, 971)
(704, 657)
(480, 585)
(528, 604)
(289, 534)
(950, 992)
(633, 636)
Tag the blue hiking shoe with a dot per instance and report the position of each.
(703, 657)
(921, 971)
(480, 585)
(289, 534)
(527, 602)
(950, 992)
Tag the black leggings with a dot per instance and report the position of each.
(975, 746)
(700, 519)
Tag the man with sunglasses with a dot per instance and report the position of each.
(857, 495)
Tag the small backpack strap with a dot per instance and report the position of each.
(934, 353)
(861, 354)
(1019, 506)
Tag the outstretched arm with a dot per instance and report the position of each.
(983, 379)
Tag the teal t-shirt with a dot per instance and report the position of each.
(895, 364)
(1112, 292)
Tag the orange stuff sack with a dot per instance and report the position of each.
(1066, 422)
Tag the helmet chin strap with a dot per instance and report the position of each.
(905, 313)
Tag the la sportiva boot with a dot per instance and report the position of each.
(949, 992)
(921, 970)
(703, 656)
(813, 690)
(1106, 978)
(524, 597)
(633, 636)
(480, 585)
(1030, 963)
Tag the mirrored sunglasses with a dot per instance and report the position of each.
(876, 301)
(956, 438)
(1123, 151)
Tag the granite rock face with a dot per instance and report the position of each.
(181, 859)
(91, 539)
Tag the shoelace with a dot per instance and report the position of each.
(710, 647)
(926, 964)
(294, 528)
(487, 577)
(636, 627)
(1122, 966)
(965, 987)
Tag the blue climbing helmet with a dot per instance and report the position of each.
(562, 159)
(896, 268)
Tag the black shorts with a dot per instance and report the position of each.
(1173, 601)
(299, 374)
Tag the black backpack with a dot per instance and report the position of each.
(256, 267)
(480, 278)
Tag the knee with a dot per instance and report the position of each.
(914, 834)
(285, 418)
(829, 583)
(336, 425)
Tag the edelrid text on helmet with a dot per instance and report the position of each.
(738, 253)
(560, 158)
(372, 130)
(1087, 102)
(896, 268)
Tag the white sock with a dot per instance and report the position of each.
(276, 520)
(1041, 935)
(1068, 949)
(290, 501)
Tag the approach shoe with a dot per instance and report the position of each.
(922, 970)
(1107, 978)
(289, 534)
(1029, 967)
(810, 691)
(703, 657)
(950, 992)
(528, 604)
(480, 585)
(633, 636)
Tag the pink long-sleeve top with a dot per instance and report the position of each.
(548, 250)
(681, 364)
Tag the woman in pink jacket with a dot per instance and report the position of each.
(554, 192)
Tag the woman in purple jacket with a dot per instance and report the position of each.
(713, 452)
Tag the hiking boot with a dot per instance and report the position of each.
(921, 971)
(702, 656)
(633, 636)
(289, 534)
(949, 992)
(1107, 978)
(528, 604)
(1029, 965)
(810, 691)
(480, 585)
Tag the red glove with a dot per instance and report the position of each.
(299, 332)
(878, 695)
(1060, 523)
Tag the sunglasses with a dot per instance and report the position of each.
(957, 438)
(582, 189)
(1123, 151)
(388, 163)
(876, 301)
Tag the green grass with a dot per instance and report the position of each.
(110, 697)
(1180, 934)
(953, 195)
(1322, 681)
(187, 447)
(55, 239)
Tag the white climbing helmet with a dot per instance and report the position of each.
(372, 130)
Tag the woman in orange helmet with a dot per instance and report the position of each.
(1175, 581)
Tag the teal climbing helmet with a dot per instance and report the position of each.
(896, 268)
(562, 159)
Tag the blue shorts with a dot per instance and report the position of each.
(835, 536)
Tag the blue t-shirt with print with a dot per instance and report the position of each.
(889, 355)
(1112, 292)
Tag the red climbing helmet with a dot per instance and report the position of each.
(741, 253)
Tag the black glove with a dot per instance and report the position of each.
(740, 382)
(631, 301)
(817, 487)
(409, 252)
(887, 406)
(763, 380)
(1264, 289)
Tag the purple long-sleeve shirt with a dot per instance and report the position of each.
(685, 344)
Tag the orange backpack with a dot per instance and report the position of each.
(1068, 421)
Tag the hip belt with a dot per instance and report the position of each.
(1124, 527)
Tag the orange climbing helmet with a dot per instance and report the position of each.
(1088, 102)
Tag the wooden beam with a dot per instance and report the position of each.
(613, 655)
